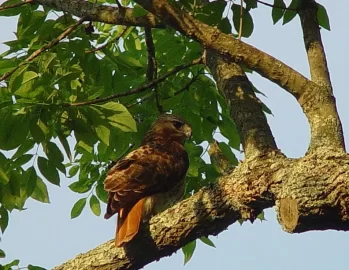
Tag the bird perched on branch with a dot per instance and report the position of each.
(149, 179)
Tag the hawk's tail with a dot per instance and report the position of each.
(128, 223)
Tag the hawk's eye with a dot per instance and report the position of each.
(177, 124)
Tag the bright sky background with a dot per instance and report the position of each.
(45, 235)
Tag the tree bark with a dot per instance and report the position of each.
(310, 193)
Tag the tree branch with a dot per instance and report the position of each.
(310, 193)
(15, 5)
(138, 89)
(245, 108)
(304, 90)
(209, 37)
(152, 68)
(322, 109)
(184, 88)
(43, 48)
(274, 6)
(109, 42)
(102, 13)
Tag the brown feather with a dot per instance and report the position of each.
(128, 223)
(150, 178)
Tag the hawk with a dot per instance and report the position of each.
(149, 179)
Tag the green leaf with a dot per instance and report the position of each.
(261, 216)
(228, 153)
(30, 178)
(21, 161)
(80, 187)
(54, 155)
(4, 179)
(65, 145)
(15, 183)
(16, 78)
(7, 65)
(24, 148)
(34, 267)
(48, 170)
(322, 17)
(290, 13)
(188, 251)
(7, 198)
(38, 130)
(77, 208)
(2, 254)
(118, 116)
(138, 11)
(211, 13)
(250, 4)
(266, 109)
(207, 241)
(73, 170)
(225, 26)
(103, 133)
(28, 76)
(278, 10)
(247, 21)
(85, 146)
(45, 60)
(13, 129)
(228, 129)
(101, 193)
(3, 219)
(40, 192)
(95, 205)
(9, 265)
(11, 11)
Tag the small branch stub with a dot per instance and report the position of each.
(288, 214)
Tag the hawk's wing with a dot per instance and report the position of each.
(143, 172)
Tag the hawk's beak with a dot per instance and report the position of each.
(187, 131)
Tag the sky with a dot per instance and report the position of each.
(45, 235)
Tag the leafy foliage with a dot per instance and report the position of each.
(54, 125)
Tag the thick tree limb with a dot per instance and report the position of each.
(240, 52)
(246, 109)
(152, 66)
(326, 128)
(102, 13)
(311, 193)
(208, 36)
(314, 105)
(313, 44)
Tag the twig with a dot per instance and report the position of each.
(241, 20)
(43, 48)
(152, 64)
(270, 5)
(118, 4)
(184, 88)
(138, 89)
(110, 41)
(16, 5)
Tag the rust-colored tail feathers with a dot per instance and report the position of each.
(128, 223)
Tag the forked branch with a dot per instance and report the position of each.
(311, 193)
(326, 128)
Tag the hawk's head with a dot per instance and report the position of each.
(169, 127)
